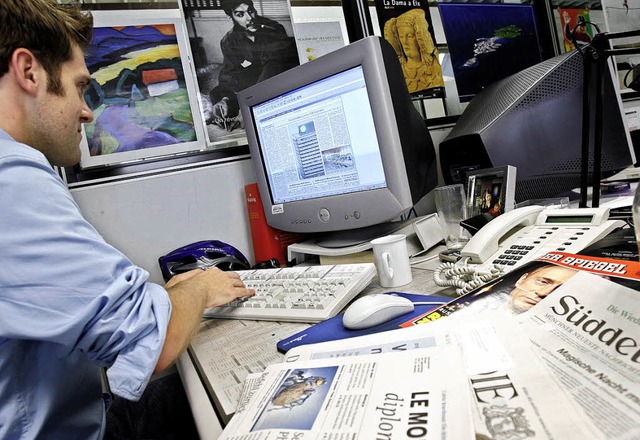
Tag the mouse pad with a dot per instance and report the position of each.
(332, 328)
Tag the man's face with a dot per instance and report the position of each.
(57, 129)
(532, 287)
(243, 16)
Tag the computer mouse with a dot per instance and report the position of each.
(374, 309)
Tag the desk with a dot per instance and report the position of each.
(258, 348)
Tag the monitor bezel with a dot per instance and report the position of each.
(352, 210)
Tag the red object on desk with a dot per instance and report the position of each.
(268, 242)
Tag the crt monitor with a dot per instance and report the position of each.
(338, 145)
(533, 121)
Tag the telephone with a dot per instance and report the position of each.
(518, 236)
(522, 234)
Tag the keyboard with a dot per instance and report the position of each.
(300, 294)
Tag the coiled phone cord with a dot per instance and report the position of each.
(463, 276)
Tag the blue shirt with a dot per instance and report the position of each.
(69, 304)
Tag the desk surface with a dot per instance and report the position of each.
(224, 352)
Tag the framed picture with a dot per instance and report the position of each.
(488, 42)
(408, 27)
(226, 61)
(142, 91)
(491, 190)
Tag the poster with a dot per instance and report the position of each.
(318, 38)
(570, 20)
(236, 45)
(488, 42)
(407, 26)
(142, 90)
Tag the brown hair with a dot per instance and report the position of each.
(48, 29)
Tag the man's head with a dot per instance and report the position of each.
(242, 12)
(532, 287)
(43, 75)
(47, 29)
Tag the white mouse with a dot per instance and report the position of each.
(375, 309)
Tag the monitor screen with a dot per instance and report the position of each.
(313, 137)
(338, 145)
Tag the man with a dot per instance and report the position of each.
(71, 305)
(533, 287)
(529, 289)
(255, 48)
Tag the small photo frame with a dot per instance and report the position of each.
(491, 190)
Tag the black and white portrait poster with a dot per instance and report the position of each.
(407, 26)
(236, 44)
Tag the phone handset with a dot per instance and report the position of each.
(485, 242)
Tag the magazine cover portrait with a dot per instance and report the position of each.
(235, 44)
(407, 26)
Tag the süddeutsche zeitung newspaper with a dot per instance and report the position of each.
(588, 333)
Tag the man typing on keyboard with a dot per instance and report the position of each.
(72, 306)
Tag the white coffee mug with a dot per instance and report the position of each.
(392, 260)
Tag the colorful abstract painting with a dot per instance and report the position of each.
(138, 93)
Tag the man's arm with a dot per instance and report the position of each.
(190, 293)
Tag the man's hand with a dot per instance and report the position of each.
(220, 115)
(222, 287)
(219, 287)
(190, 293)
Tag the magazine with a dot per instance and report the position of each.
(527, 285)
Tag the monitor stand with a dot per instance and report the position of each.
(349, 243)
(354, 237)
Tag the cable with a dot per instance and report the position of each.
(463, 276)
(635, 83)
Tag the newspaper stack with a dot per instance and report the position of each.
(566, 368)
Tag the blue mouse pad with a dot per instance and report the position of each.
(332, 328)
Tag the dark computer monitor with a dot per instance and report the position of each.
(338, 146)
(533, 121)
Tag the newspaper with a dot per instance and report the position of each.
(512, 395)
(588, 332)
(418, 394)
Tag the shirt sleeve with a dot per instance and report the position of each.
(60, 282)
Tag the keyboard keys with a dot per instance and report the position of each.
(301, 294)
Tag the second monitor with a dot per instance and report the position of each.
(338, 146)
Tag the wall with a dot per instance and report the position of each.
(148, 217)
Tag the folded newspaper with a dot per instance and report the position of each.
(512, 395)
(588, 333)
(418, 394)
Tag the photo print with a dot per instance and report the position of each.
(408, 27)
(236, 44)
(142, 91)
(488, 42)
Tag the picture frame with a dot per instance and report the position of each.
(491, 190)
(488, 42)
(209, 28)
(142, 92)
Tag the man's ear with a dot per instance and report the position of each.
(28, 72)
